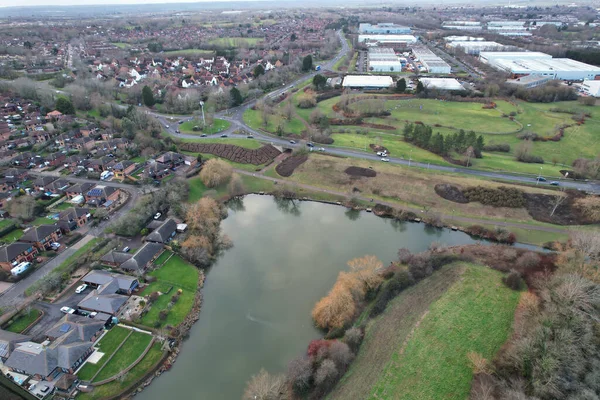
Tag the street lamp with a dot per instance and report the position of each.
(203, 121)
(539, 177)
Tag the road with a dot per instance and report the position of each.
(235, 116)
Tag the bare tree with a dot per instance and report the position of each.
(299, 374)
(264, 386)
(587, 243)
(327, 374)
(558, 200)
(215, 172)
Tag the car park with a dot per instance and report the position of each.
(67, 310)
(81, 288)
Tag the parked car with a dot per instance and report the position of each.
(167, 126)
(67, 310)
(385, 159)
(126, 249)
(80, 288)
(554, 183)
(157, 215)
(55, 245)
(177, 131)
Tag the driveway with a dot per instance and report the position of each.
(51, 316)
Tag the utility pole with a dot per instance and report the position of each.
(203, 120)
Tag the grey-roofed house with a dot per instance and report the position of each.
(164, 233)
(73, 217)
(42, 236)
(42, 181)
(15, 253)
(71, 342)
(106, 303)
(143, 257)
(115, 258)
(8, 341)
(107, 282)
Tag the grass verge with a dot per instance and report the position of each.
(107, 345)
(22, 320)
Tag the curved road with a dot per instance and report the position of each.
(235, 116)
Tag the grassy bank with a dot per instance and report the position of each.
(218, 125)
(22, 320)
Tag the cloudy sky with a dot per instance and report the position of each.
(19, 3)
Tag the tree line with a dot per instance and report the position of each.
(460, 142)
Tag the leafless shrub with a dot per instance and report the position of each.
(528, 260)
(264, 386)
(299, 374)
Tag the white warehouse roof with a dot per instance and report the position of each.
(442, 83)
(388, 38)
(374, 81)
(488, 56)
(560, 68)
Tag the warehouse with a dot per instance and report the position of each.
(591, 88)
(475, 47)
(441, 83)
(384, 29)
(367, 81)
(532, 63)
(405, 39)
(431, 62)
(462, 25)
(383, 60)
(530, 81)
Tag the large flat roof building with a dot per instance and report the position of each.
(432, 63)
(383, 29)
(462, 25)
(533, 63)
(475, 47)
(382, 59)
(591, 88)
(441, 83)
(403, 39)
(367, 81)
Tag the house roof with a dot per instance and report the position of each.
(163, 233)
(123, 282)
(73, 328)
(33, 358)
(142, 257)
(44, 180)
(8, 340)
(81, 188)
(101, 191)
(73, 213)
(10, 251)
(116, 257)
(106, 303)
(38, 233)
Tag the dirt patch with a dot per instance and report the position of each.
(359, 171)
(377, 148)
(450, 192)
(234, 153)
(540, 207)
(287, 166)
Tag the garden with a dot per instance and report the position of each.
(22, 320)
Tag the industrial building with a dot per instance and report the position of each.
(367, 81)
(591, 88)
(463, 39)
(475, 47)
(441, 83)
(530, 81)
(534, 63)
(431, 62)
(462, 25)
(383, 59)
(384, 29)
(508, 28)
(388, 39)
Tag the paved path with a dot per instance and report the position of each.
(16, 293)
(418, 211)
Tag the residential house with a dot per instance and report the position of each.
(16, 253)
(108, 282)
(164, 233)
(157, 170)
(54, 115)
(101, 164)
(75, 162)
(85, 143)
(42, 236)
(18, 174)
(40, 183)
(8, 341)
(57, 187)
(4, 199)
(123, 168)
(142, 258)
(79, 189)
(115, 258)
(171, 159)
(55, 159)
(74, 217)
(100, 195)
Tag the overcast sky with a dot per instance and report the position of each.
(20, 3)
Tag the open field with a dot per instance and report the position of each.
(190, 52)
(23, 320)
(178, 274)
(12, 236)
(121, 46)
(474, 315)
(578, 141)
(133, 347)
(217, 126)
(236, 41)
(135, 374)
(413, 187)
(107, 345)
(385, 334)
(247, 143)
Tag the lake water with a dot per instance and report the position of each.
(258, 296)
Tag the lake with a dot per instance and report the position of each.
(259, 294)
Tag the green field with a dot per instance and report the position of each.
(178, 274)
(217, 126)
(121, 46)
(474, 315)
(12, 236)
(22, 320)
(107, 345)
(246, 143)
(235, 41)
(133, 347)
(253, 118)
(163, 257)
(189, 53)
(417, 349)
(6, 222)
(43, 221)
(138, 372)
